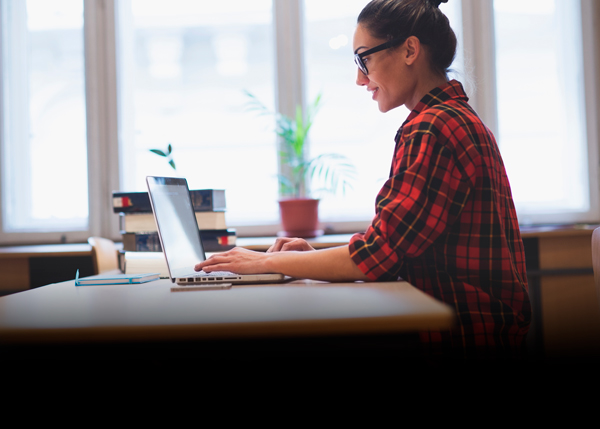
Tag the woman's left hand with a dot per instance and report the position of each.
(334, 264)
(286, 244)
(237, 260)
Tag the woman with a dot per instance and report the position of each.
(445, 220)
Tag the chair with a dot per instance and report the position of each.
(596, 260)
(104, 255)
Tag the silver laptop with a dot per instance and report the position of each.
(180, 239)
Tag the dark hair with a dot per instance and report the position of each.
(400, 19)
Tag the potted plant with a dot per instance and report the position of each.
(300, 173)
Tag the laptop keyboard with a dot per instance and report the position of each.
(208, 277)
(214, 273)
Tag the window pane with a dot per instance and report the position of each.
(184, 66)
(540, 105)
(45, 150)
(349, 122)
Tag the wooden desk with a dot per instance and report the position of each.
(64, 317)
(559, 266)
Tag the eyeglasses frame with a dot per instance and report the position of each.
(358, 58)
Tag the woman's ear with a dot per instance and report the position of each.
(413, 50)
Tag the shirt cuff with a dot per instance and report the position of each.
(374, 257)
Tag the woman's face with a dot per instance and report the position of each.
(388, 79)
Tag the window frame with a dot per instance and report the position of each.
(102, 101)
(93, 83)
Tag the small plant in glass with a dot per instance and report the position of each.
(168, 154)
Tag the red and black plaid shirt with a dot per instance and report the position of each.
(446, 223)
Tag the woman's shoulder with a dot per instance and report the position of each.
(444, 117)
(449, 110)
(451, 126)
(444, 103)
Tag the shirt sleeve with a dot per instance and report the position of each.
(425, 194)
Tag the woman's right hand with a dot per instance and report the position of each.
(285, 244)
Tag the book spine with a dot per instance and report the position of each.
(144, 222)
(203, 200)
(213, 241)
(141, 242)
(136, 222)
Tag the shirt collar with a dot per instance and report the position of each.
(452, 89)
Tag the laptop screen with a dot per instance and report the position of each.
(176, 223)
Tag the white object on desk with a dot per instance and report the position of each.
(146, 262)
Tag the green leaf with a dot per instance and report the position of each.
(172, 164)
(158, 152)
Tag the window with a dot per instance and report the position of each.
(89, 87)
(183, 72)
(541, 108)
(44, 151)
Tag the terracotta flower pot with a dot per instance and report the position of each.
(299, 217)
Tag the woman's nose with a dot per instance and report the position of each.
(361, 78)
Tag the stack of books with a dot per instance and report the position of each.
(141, 244)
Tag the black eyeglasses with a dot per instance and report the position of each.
(358, 58)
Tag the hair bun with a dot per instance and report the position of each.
(436, 3)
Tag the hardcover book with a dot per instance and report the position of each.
(144, 222)
(203, 200)
(217, 240)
